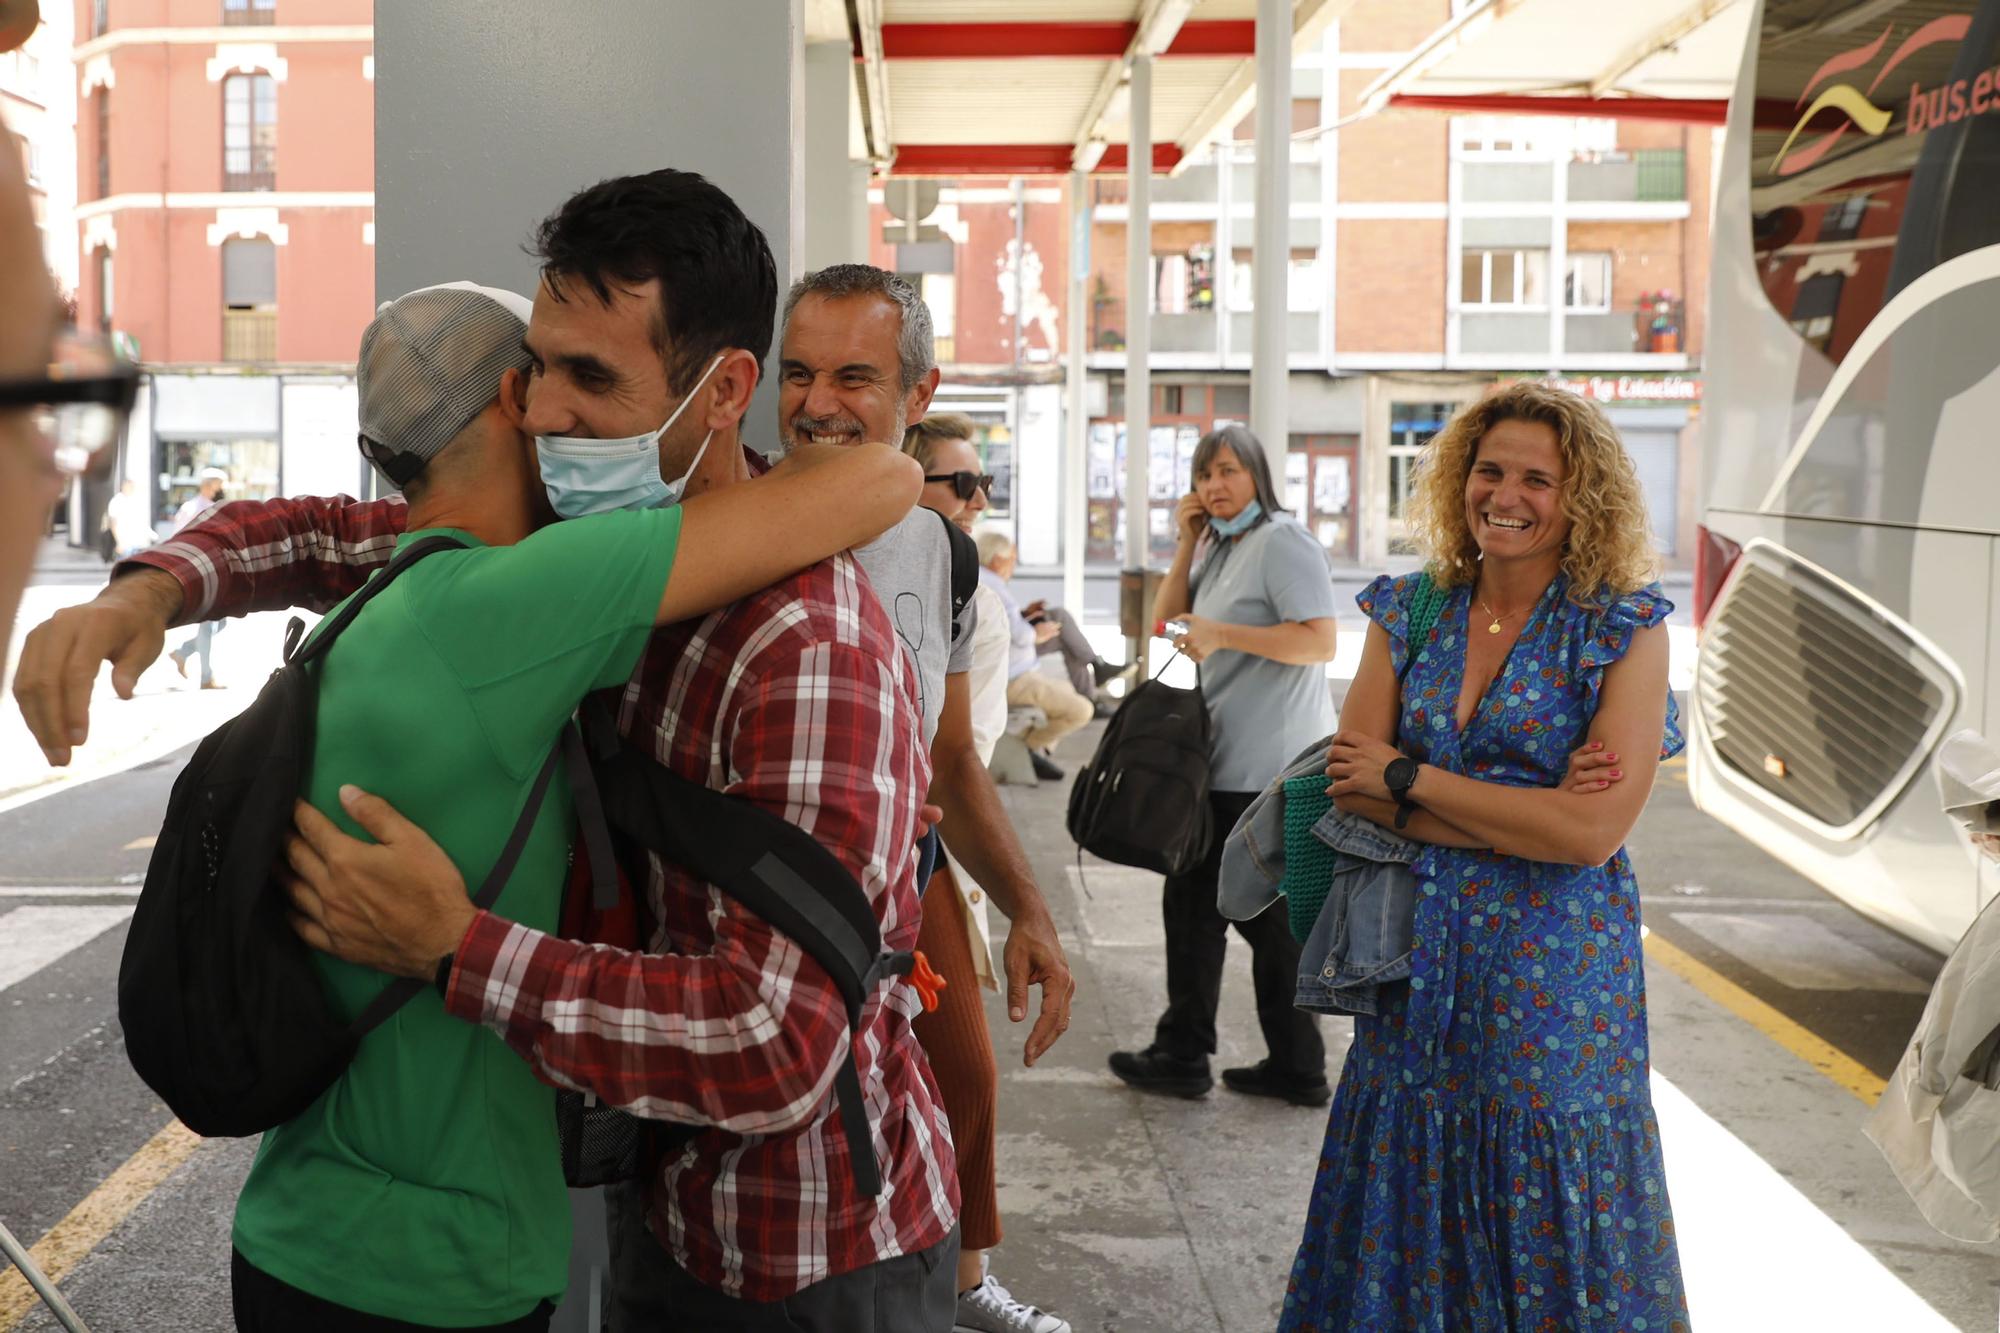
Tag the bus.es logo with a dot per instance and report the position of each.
(1928, 110)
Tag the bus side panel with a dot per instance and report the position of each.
(1908, 867)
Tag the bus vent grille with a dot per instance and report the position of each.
(1816, 697)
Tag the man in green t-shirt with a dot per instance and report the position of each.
(425, 1186)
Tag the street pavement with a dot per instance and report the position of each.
(1123, 1213)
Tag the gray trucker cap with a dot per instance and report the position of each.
(430, 362)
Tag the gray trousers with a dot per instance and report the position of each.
(1077, 654)
(650, 1293)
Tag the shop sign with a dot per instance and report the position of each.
(1627, 388)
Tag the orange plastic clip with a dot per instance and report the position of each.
(927, 982)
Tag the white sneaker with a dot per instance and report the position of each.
(991, 1308)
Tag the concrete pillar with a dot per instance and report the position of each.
(487, 116)
(1076, 414)
(1271, 253)
(836, 223)
(1139, 335)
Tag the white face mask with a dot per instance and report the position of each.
(586, 476)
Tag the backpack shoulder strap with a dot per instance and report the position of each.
(768, 864)
(402, 990)
(964, 571)
(331, 630)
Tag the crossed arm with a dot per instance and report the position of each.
(1582, 821)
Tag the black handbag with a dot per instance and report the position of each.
(1142, 800)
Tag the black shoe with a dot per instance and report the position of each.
(1046, 768)
(1153, 1070)
(1102, 708)
(1104, 672)
(1260, 1080)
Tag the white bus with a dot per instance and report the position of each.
(1849, 561)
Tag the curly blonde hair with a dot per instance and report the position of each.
(1609, 551)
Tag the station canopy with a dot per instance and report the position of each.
(1040, 87)
(1630, 59)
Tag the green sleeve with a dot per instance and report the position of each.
(530, 629)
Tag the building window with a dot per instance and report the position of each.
(249, 132)
(103, 117)
(249, 300)
(1842, 221)
(1814, 308)
(236, 12)
(1507, 136)
(102, 263)
(1305, 287)
(1411, 426)
(100, 17)
(1507, 279)
(1587, 287)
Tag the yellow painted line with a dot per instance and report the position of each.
(1822, 1055)
(87, 1224)
(144, 844)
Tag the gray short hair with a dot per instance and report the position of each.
(994, 544)
(914, 348)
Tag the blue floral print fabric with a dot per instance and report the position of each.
(1492, 1161)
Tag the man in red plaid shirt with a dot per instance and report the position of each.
(797, 699)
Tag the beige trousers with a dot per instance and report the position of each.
(1065, 708)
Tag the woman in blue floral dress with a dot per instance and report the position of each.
(1492, 1161)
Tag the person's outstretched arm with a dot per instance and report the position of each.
(819, 501)
(251, 555)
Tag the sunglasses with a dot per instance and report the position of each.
(963, 484)
(81, 403)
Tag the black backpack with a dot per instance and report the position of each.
(224, 1015)
(629, 804)
(1142, 800)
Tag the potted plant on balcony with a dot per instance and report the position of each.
(1659, 322)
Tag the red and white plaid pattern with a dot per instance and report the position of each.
(799, 699)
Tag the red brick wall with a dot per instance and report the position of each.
(1391, 286)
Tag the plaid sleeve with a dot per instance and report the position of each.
(270, 555)
(746, 1036)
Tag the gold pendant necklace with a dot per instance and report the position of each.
(1493, 628)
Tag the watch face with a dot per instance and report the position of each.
(1400, 774)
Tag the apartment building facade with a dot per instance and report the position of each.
(225, 231)
(1430, 258)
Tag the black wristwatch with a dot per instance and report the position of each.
(1399, 776)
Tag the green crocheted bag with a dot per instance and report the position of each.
(1308, 861)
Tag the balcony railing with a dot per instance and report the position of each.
(1649, 175)
(249, 335)
(247, 13)
(258, 178)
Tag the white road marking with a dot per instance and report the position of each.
(1801, 953)
(33, 937)
(69, 891)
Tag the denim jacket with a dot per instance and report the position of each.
(1361, 938)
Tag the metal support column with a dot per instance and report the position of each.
(1076, 424)
(1139, 345)
(1271, 257)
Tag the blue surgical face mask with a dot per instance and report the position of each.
(600, 476)
(1236, 527)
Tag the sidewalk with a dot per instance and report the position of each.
(166, 711)
(1126, 1212)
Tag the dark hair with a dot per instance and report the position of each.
(915, 349)
(718, 283)
(1249, 451)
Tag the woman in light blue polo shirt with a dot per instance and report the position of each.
(1256, 593)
